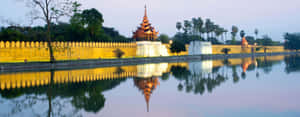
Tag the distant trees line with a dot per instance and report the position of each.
(83, 26)
(198, 29)
(292, 41)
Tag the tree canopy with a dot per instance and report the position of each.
(84, 25)
(164, 38)
(292, 41)
(177, 46)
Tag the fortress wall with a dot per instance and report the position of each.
(38, 51)
(236, 49)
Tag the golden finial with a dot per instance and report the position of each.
(145, 10)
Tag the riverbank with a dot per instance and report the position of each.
(79, 64)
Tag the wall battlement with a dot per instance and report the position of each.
(22, 44)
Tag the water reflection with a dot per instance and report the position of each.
(292, 63)
(75, 92)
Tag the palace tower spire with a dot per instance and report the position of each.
(145, 32)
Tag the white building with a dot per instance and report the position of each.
(199, 47)
(151, 49)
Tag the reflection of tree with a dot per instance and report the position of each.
(119, 70)
(179, 72)
(85, 95)
(235, 75)
(265, 64)
(292, 63)
(165, 76)
(226, 62)
(196, 83)
(215, 69)
(91, 103)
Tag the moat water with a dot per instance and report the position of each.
(247, 87)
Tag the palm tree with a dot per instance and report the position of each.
(218, 31)
(242, 34)
(234, 31)
(195, 25)
(207, 27)
(225, 31)
(200, 26)
(178, 26)
(187, 26)
(256, 33)
(212, 28)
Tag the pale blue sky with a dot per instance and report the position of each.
(272, 17)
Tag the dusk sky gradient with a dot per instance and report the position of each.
(271, 17)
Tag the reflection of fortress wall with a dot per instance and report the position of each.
(238, 61)
(151, 49)
(198, 68)
(30, 79)
(149, 70)
(198, 48)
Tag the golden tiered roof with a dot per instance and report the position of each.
(145, 32)
(244, 42)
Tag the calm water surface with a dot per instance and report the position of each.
(248, 87)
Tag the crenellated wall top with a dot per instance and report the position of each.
(22, 44)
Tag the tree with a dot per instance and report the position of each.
(266, 41)
(256, 33)
(292, 41)
(164, 38)
(292, 63)
(250, 39)
(218, 31)
(51, 10)
(234, 31)
(200, 26)
(193, 30)
(187, 26)
(226, 50)
(208, 27)
(195, 25)
(242, 34)
(93, 19)
(178, 26)
(177, 46)
(224, 35)
(119, 53)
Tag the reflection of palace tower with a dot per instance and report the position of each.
(146, 86)
(246, 62)
(147, 78)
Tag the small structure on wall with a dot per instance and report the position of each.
(200, 47)
(244, 43)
